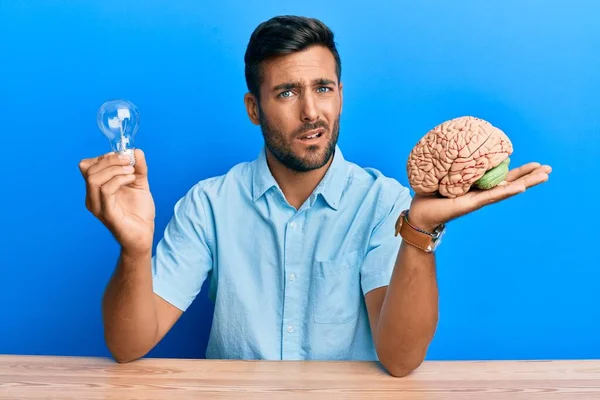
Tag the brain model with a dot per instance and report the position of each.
(457, 155)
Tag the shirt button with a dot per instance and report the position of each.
(292, 277)
(290, 329)
(293, 225)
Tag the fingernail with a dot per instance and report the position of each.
(124, 157)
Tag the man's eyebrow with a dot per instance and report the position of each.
(294, 85)
(323, 82)
(287, 86)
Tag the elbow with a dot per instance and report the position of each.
(401, 369)
(401, 360)
(125, 348)
(122, 354)
(122, 358)
(400, 365)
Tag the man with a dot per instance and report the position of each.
(299, 245)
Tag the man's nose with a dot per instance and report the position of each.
(309, 111)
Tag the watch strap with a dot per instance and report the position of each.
(415, 236)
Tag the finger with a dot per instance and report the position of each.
(516, 173)
(539, 175)
(96, 181)
(141, 167)
(497, 194)
(509, 189)
(86, 163)
(107, 161)
(108, 190)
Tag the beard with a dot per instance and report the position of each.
(276, 142)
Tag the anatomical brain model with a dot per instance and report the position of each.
(457, 155)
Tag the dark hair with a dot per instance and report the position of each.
(283, 35)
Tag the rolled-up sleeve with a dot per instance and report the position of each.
(183, 257)
(378, 264)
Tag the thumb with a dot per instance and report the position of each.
(140, 171)
(141, 168)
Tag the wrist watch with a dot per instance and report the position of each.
(426, 241)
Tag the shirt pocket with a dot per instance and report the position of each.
(337, 294)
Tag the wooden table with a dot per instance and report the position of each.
(43, 377)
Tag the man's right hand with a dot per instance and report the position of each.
(119, 196)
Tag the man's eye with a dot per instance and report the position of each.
(287, 93)
(324, 89)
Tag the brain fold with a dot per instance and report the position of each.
(452, 156)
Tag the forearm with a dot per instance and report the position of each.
(409, 313)
(129, 309)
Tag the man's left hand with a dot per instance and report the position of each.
(428, 212)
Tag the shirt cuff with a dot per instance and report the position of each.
(170, 295)
(376, 280)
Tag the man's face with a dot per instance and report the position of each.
(300, 108)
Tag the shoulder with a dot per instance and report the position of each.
(237, 179)
(387, 192)
(372, 179)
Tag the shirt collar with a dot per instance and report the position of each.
(262, 179)
(330, 187)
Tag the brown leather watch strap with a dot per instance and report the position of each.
(412, 235)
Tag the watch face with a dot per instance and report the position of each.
(437, 242)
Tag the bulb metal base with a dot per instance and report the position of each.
(131, 155)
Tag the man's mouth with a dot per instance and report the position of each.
(314, 134)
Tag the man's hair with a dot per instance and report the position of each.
(284, 35)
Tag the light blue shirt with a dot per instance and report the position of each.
(287, 284)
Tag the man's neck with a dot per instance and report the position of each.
(296, 186)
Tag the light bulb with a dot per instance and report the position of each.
(118, 120)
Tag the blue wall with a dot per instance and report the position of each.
(520, 279)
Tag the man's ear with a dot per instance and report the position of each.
(252, 108)
(341, 96)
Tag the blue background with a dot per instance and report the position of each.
(520, 279)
